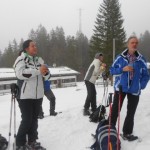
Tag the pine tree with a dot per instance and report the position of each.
(41, 39)
(8, 57)
(82, 53)
(71, 53)
(108, 26)
(58, 46)
(15, 49)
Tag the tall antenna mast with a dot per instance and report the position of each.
(80, 21)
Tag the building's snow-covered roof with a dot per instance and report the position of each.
(57, 71)
(62, 71)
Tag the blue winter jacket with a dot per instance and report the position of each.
(140, 78)
(46, 85)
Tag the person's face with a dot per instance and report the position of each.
(132, 45)
(101, 58)
(32, 50)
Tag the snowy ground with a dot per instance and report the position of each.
(71, 130)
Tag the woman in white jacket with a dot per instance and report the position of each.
(30, 71)
(94, 70)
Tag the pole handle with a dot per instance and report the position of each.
(120, 88)
(110, 98)
(14, 89)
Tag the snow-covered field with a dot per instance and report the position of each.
(71, 130)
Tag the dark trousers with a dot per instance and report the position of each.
(29, 112)
(131, 109)
(51, 97)
(91, 96)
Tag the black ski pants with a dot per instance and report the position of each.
(132, 102)
(91, 96)
(28, 128)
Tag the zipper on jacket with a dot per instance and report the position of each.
(36, 78)
(24, 87)
(130, 81)
(36, 87)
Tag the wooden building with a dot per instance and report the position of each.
(60, 77)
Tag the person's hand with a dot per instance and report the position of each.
(43, 69)
(128, 68)
(103, 67)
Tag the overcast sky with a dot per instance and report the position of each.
(18, 17)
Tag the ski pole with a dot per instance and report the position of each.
(110, 110)
(10, 122)
(119, 105)
(13, 95)
(14, 123)
(104, 95)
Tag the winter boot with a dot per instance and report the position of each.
(86, 112)
(53, 113)
(130, 137)
(36, 146)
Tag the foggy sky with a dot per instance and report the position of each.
(18, 17)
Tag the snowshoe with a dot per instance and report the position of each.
(36, 146)
(129, 137)
(25, 147)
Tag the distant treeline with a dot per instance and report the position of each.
(55, 48)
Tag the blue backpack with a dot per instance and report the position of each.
(101, 137)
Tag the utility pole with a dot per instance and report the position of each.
(114, 47)
(80, 20)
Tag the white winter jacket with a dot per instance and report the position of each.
(93, 71)
(30, 80)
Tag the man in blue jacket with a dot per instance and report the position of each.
(131, 73)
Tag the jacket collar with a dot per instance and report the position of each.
(29, 57)
(125, 52)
